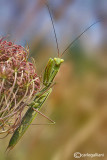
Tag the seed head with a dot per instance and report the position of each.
(18, 84)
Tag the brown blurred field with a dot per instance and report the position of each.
(78, 103)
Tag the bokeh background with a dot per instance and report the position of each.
(78, 103)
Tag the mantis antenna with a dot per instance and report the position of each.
(74, 39)
(53, 28)
(79, 36)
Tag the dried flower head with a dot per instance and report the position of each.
(18, 84)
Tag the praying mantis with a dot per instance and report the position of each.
(51, 70)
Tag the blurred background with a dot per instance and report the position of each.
(78, 103)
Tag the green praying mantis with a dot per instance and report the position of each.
(50, 73)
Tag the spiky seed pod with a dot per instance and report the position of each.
(18, 84)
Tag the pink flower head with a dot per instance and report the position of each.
(18, 84)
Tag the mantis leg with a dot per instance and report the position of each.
(27, 119)
(44, 115)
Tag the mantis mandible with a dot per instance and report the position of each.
(50, 73)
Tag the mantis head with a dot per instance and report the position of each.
(58, 61)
